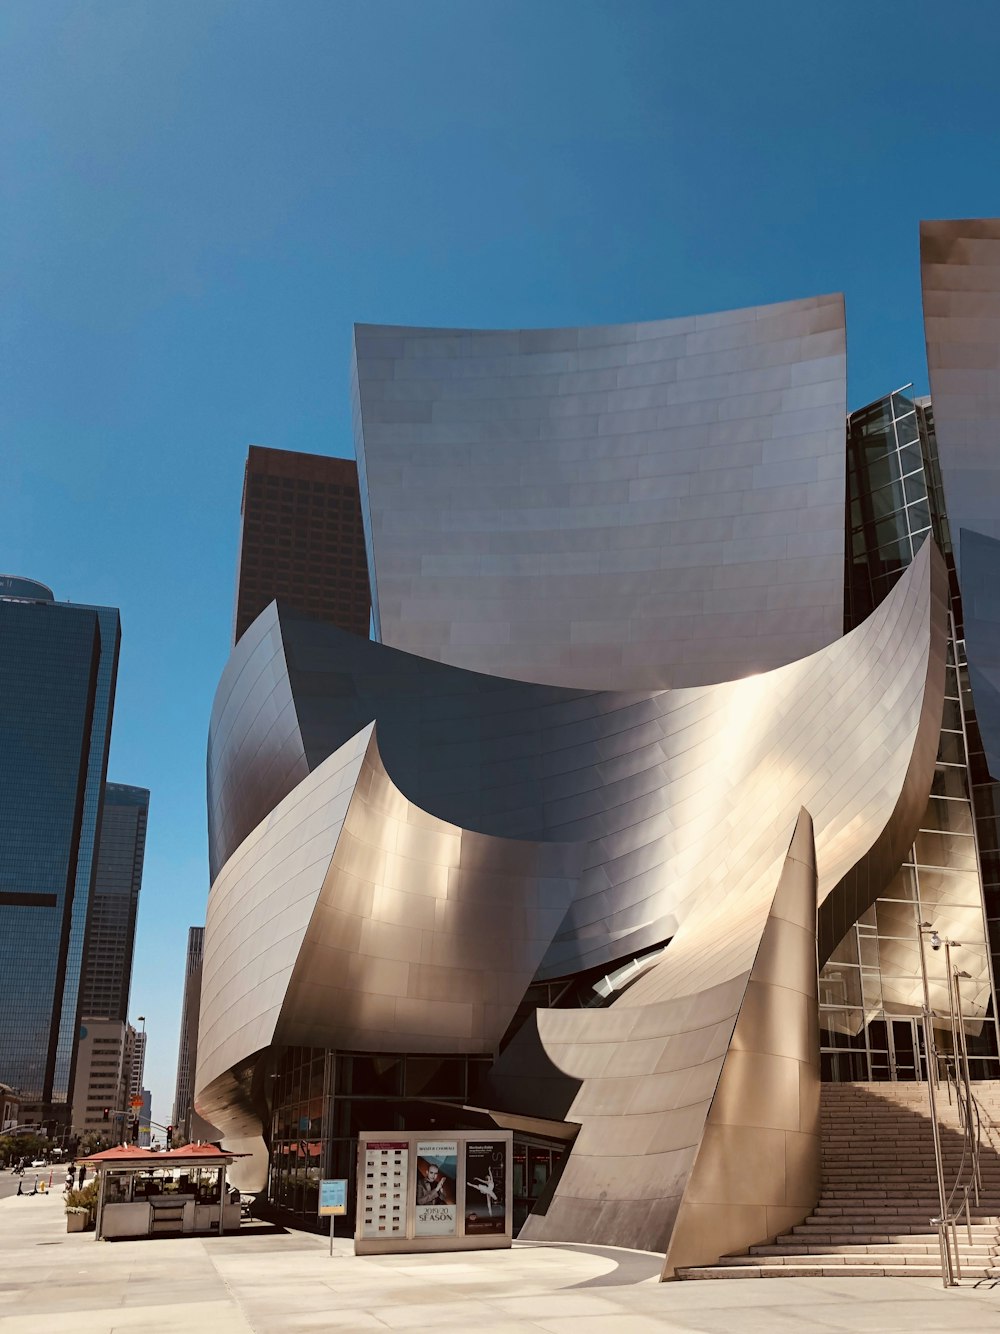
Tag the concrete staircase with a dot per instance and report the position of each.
(879, 1192)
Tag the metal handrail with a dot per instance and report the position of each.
(970, 1119)
(969, 1145)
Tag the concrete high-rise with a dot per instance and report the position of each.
(100, 1088)
(301, 539)
(110, 944)
(58, 669)
(187, 1052)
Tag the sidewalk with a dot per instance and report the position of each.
(270, 1282)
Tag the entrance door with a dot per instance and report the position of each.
(896, 1050)
(905, 1050)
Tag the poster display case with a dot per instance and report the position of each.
(433, 1192)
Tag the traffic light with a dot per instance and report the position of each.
(170, 1136)
(135, 1130)
(107, 1113)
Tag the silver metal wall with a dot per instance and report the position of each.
(699, 1114)
(651, 785)
(960, 270)
(353, 916)
(635, 506)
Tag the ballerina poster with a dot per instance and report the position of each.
(485, 1187)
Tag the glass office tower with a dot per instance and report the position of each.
(107, 969)
(58, 669)
(871, 989)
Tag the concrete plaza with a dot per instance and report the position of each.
(270, 1282)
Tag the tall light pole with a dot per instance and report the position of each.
(925, 928)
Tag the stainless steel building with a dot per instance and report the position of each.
(557, 852)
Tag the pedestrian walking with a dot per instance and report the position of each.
(69, 1180)
(82, 1176)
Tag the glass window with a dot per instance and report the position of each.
(953, 851)
(919, 516)
(435, 1076)
(914, 487)
(370, 1075)
(910, 459)
(954, 817)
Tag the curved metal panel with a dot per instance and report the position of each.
(757, 1172)
(636, 506)
(260, 907)
(960, 272)
(645, 782)
(425, 936)
(699, 1113)
(255, 750)
(351, 918)
(981, 617)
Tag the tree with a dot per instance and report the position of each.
(23, 1145)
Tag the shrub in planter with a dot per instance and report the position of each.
(81, 1203)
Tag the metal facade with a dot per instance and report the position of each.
(612, 715)
(633, 506)
(960, 270)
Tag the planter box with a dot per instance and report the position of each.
(77, 1219)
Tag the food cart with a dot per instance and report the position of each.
(142, 1193)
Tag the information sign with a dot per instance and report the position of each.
(332, 1197)
(383, 1191)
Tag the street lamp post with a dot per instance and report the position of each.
(925, 928)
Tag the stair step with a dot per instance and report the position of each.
(875, 1248)
(879, 1192)
(889, 1270)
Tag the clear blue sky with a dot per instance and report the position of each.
(199, 197)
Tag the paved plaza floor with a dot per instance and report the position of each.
(270, 1282)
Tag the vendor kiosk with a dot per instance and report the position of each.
(147, 1194)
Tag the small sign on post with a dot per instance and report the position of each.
(332, 1201)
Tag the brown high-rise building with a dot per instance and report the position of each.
(302, 540)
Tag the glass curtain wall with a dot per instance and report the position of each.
(871, 989)
(323, 1099)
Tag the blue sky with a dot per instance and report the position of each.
(197, 199)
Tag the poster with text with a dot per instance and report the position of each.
(485, 1188)
(436, 1211)
(382, 1192)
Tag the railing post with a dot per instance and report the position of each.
(946, 1279)
(946, 1274)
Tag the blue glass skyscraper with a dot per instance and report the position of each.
(58, 670)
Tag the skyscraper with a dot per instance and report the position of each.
(301, 539)
(135, 1049)
(58, 669)
(187, 1053)
(107, 966)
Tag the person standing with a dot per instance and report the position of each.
(82, 1176)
